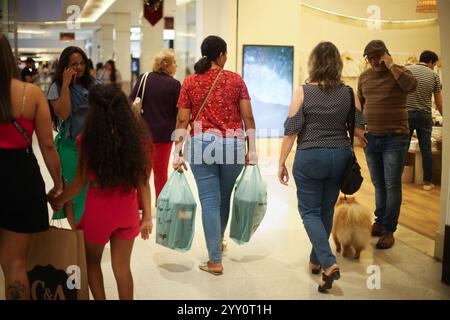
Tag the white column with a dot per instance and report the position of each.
(151, 42)
(106, 43)
(444, 25)
(185, 38)
(122, 47)
(219, 18)
(96, 46)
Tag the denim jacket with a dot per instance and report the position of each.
(79, 98)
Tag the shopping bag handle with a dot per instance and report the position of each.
(247, 153)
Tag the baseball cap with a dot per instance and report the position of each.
(375, 46)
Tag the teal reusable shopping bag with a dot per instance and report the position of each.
(175, 217)
(249, 204)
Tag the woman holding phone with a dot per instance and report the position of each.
(68, 95)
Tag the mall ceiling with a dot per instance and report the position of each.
(45, 10)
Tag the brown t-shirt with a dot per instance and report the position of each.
(384, 100)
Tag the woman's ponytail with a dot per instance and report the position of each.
(202, 65)
(212, 47)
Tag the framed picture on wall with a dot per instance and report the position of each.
(268, 73)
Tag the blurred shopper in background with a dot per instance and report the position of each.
(159, 100)
(111, 75)
(419, 109)
(30, 73)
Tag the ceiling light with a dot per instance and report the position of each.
(24, 31)
(93, 9)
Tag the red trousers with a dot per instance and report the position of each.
(160, 164)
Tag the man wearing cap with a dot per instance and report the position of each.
(382, 94)
(29, 73)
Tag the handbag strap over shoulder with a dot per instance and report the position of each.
(207, 97)
(18, 126)
(143, 83)
(22, 132)
(351, 116)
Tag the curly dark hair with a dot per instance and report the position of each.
(325, 66)
(116, 145)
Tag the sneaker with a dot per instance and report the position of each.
(427, 186)
(386, 241)
(376, 230)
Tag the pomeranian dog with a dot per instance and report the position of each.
(352, 227)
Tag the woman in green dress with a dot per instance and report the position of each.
(68, 97)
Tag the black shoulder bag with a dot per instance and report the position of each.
(352, 179)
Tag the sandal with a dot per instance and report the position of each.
(204, 267)
(335, 275)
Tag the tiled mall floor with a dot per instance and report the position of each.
(274, 265)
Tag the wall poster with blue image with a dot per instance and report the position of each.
(268, 74)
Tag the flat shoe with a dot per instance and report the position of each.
(204, 267)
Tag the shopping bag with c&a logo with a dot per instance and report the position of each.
(57, 265)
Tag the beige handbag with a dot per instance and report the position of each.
(137, 103)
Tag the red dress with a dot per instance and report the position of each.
(109, 212)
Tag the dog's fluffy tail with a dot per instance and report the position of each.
(355, 226)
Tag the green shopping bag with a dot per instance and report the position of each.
(175, 217)
(249, 204)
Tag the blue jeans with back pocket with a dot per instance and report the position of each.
(318, 174)
(216, 163)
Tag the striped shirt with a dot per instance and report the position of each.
(383, 99)
(321, 120)
(428, 82)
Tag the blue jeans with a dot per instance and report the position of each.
(216, 163)
(423, 124)
(385, 157)
(318, 174)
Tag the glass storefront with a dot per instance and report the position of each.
(185, 39)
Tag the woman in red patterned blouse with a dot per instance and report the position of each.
(217, 105)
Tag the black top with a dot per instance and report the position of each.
(28, 72)
(321, 121)
(159, 104)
